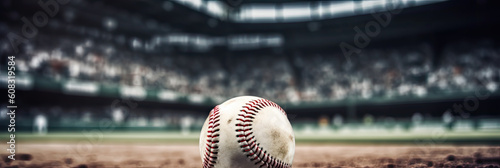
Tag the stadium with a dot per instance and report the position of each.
(364, 83)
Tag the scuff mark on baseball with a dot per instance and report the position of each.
(251, 132)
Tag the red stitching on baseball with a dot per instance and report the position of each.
(212, 144)
(247, 140)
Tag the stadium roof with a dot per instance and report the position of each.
(275, 11)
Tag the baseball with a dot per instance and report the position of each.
(247, 131)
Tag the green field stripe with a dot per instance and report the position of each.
(491, 137)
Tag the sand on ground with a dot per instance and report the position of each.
(187, 155)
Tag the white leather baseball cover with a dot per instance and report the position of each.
(247, 131)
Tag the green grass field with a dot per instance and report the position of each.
(473, 137)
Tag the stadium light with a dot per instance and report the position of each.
(341, 8)
(196, 4)
(267, 12)
(296, 11)
(373, 6)
(216, 8)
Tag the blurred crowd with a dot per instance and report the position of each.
(118, 53)
(413, 70)
(402, 71)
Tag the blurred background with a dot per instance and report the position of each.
(347, 72)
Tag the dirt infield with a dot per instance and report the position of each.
(186, 155)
